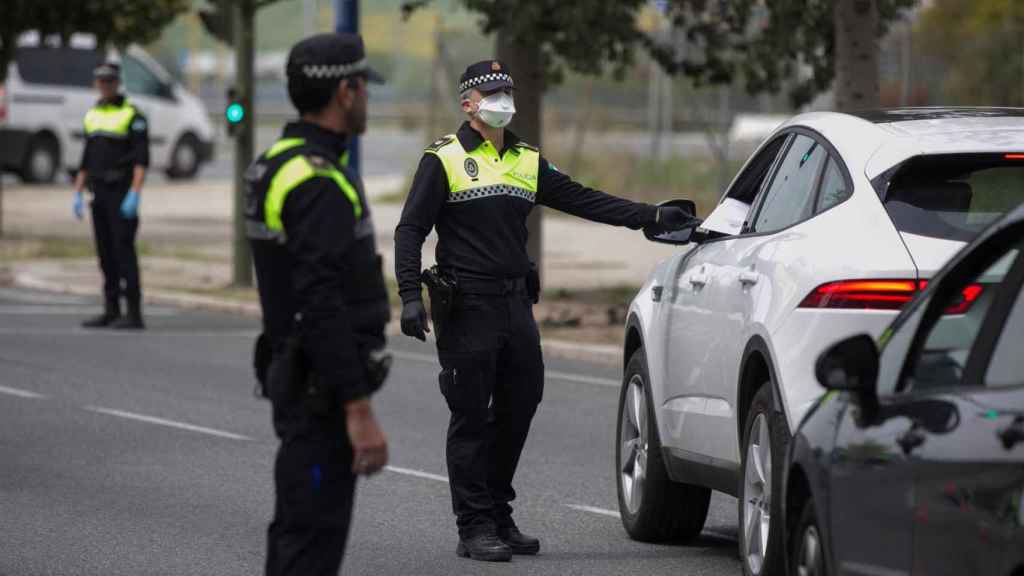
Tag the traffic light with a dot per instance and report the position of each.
(235, 111)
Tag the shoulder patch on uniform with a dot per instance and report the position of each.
(139, 124)
(440, 143)
(527, 146)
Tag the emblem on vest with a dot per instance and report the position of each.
(471, 168)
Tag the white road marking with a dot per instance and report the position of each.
(417, 473)
(19, 393)
(168, 423)
(555, 374)
(594, 510)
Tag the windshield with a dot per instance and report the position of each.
(954, 196)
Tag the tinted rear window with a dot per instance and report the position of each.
(57, 66)
(953, 197)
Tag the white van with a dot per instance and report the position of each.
(49, 90)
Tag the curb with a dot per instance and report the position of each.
(605, 354)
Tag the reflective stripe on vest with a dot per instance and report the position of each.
(482, 173)
(109, 120)
(294, 172)
(284, 144)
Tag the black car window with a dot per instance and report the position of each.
(946, 343)
(833, 187)
(750, 180)
(140, 80)
(57, 66)
(1006, 368)
(790, 196)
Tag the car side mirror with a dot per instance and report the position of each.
(679, 237)
(851, 365)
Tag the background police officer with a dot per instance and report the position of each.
(324, 305)
(113, 166)
(477, 188)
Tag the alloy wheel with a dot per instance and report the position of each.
(757, 493)
(808, 560)
(633, 455)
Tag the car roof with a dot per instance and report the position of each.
(873, 141)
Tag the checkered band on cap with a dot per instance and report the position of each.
(474, 82)
(334, 70)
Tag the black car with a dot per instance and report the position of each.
(913, 461)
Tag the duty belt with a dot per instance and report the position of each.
(493, 287)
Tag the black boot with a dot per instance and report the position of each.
(111, 313)
(133, 321)
(518, 542)
(484, 547)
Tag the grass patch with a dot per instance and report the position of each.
(21, 248)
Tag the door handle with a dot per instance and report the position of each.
(748, 278)
(699, 280)
(911, 439)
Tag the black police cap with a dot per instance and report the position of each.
(331, 55)
(107, 70)
(486, 76)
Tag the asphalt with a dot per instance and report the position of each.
(148, 454)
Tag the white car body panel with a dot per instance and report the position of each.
(717, 297)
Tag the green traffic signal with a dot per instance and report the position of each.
(234, 113)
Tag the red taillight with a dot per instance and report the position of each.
(3, 103)
(1013, 156)
(880, 295)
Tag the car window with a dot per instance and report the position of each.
(731, 213)
(833, 187)
(57, 66)
(947, 342)
(1006, 368)
(140, 80)
(789, 197)
(954, 196)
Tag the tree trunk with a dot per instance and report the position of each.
(524, 63)
(856, 54)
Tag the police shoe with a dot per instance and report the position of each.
(518, 542)
(129, 322)
(486, 547)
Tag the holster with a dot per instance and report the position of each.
(443, 288)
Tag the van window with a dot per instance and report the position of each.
(140, 80)
(57, 66)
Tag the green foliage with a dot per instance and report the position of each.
(117, 22)
(978, 44)
(763, 44)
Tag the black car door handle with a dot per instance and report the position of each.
(1012, 434)
(911, 439)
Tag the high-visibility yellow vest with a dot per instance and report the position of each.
(484, 173)
(109, 120)
(294, 172)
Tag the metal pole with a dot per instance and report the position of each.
(244, 14)
(346, 19)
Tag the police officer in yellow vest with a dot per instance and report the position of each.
(324, 303)
(113, 166)
(476, 187)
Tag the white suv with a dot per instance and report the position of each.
(831, 226)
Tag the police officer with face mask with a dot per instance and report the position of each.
(477, 187)
(324, 304)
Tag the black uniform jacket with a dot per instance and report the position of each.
(324, 265)
(108, 158)
(486, 238)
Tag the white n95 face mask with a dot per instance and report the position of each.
(496, 110)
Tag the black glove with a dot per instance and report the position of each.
(672, 218)
(414, 320)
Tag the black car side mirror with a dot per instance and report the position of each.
(851, 365)
(677, 237)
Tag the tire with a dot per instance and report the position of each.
(653, 507)
(42, 160)
(808, 556)
(184, 162)
(759, 489)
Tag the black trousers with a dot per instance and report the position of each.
(492, 379)
(314, 490)
(115, 245)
